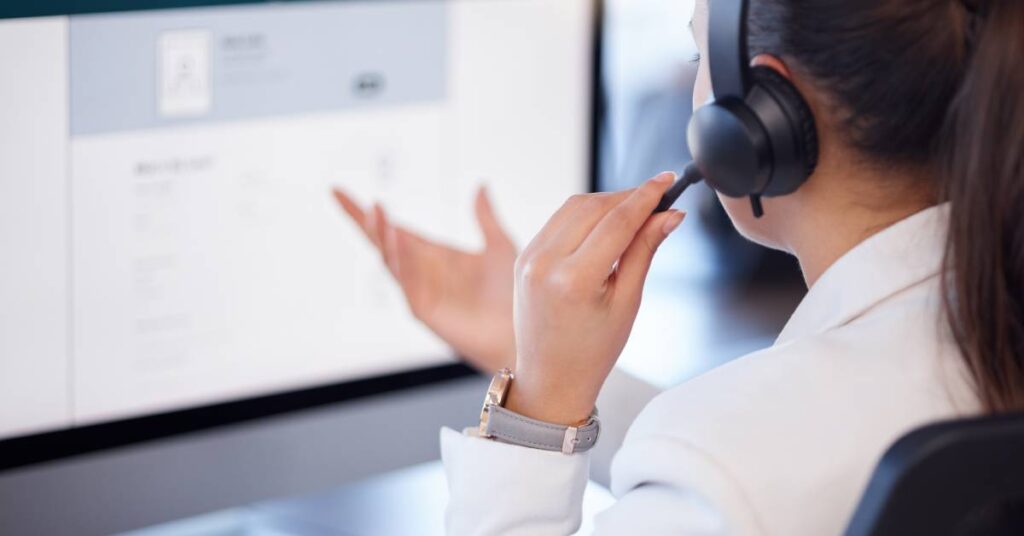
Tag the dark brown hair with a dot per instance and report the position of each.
(935, 85)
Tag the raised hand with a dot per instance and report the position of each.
(463, 297)
(577, 293)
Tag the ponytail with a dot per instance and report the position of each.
(983, 179)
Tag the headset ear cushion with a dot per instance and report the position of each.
(796, 108)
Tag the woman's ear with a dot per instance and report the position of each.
(817, 101)
(774, 63)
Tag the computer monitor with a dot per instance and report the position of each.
(172, 257)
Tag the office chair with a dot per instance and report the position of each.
(963, 477)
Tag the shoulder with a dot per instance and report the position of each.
(898, 353)
(815, 413)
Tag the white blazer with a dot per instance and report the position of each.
(780, 442)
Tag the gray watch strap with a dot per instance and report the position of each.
(510, 427)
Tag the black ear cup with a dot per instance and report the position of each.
(794, 136)
(766, 144)
(729, 147)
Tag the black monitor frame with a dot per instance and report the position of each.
(22, 451)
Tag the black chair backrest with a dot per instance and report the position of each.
(963, 477)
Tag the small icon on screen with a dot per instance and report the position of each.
(184, 73)
(368, 85)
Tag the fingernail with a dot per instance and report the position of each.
(665, 177)
(672, 222)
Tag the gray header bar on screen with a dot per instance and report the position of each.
(161, 68)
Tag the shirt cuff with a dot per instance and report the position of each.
(498, 488)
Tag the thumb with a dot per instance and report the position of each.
(494, 233)
(636, 260)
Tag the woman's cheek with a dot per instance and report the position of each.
(702, 86)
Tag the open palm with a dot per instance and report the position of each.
(464, 297)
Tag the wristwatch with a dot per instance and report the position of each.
(506, 426)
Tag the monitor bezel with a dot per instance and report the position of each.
(26, 450)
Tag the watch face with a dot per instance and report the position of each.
(495, 396)
(499, 386)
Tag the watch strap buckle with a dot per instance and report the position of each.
(569, 442)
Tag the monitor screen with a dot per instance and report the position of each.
(168, 232)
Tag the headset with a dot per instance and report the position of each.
(758, 138)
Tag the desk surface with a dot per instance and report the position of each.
(399, 503)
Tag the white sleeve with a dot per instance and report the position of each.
(500, 489)
(659, 509)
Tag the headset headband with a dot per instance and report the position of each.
(727, 43)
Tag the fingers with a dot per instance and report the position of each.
(577, 217)
(351, 208)
(417, 270)
(416, 263)
(636, 260)
(589, 213)
(555, 223)
(374, 224)
(620, 225)
(384, 237)
(494, 233)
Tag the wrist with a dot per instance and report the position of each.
(554, 402)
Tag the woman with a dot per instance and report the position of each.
(908, 237)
